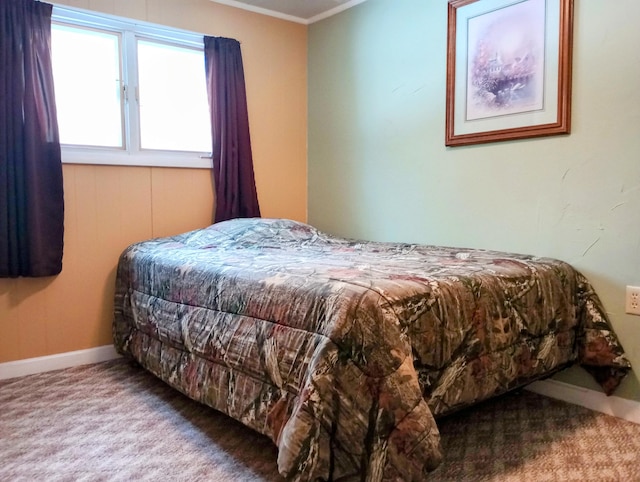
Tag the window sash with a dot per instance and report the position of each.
(89, 111)
(190, 83)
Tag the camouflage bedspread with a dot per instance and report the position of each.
(344, 351)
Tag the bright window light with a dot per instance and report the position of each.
(87, 77)
(174, 110)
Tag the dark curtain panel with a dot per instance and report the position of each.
(233, 176)
(31, 196)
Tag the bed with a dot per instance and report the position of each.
(345, 352)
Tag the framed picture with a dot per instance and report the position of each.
(508, 70)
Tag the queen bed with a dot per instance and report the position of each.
(345, 352)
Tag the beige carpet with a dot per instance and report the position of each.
(115, 422)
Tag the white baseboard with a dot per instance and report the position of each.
(612, 405)
(41, 364)
(618, 407)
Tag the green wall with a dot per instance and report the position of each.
(379, 169)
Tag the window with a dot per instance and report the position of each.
(129, 93)
(88, 98)
(164, 68)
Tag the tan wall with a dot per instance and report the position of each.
(108, 207)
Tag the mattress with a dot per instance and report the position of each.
(345, 352)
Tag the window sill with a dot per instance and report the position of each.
(140, 159)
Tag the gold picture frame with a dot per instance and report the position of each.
(508, 70)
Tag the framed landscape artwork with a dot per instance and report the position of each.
(508, 70)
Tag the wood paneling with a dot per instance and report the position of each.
(106, 209)
(182, 200)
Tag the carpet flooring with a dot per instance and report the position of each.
(113, 421)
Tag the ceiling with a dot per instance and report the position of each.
(301, 11)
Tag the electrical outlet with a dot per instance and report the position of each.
(632, 304)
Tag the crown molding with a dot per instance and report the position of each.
(290, 18)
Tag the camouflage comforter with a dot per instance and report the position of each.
(344, 351)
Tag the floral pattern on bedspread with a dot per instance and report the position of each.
(343, 351)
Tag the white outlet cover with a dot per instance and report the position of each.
(632, 300)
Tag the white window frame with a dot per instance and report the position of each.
(130, 31)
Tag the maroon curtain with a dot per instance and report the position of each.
(31, 196)
(233, 176)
